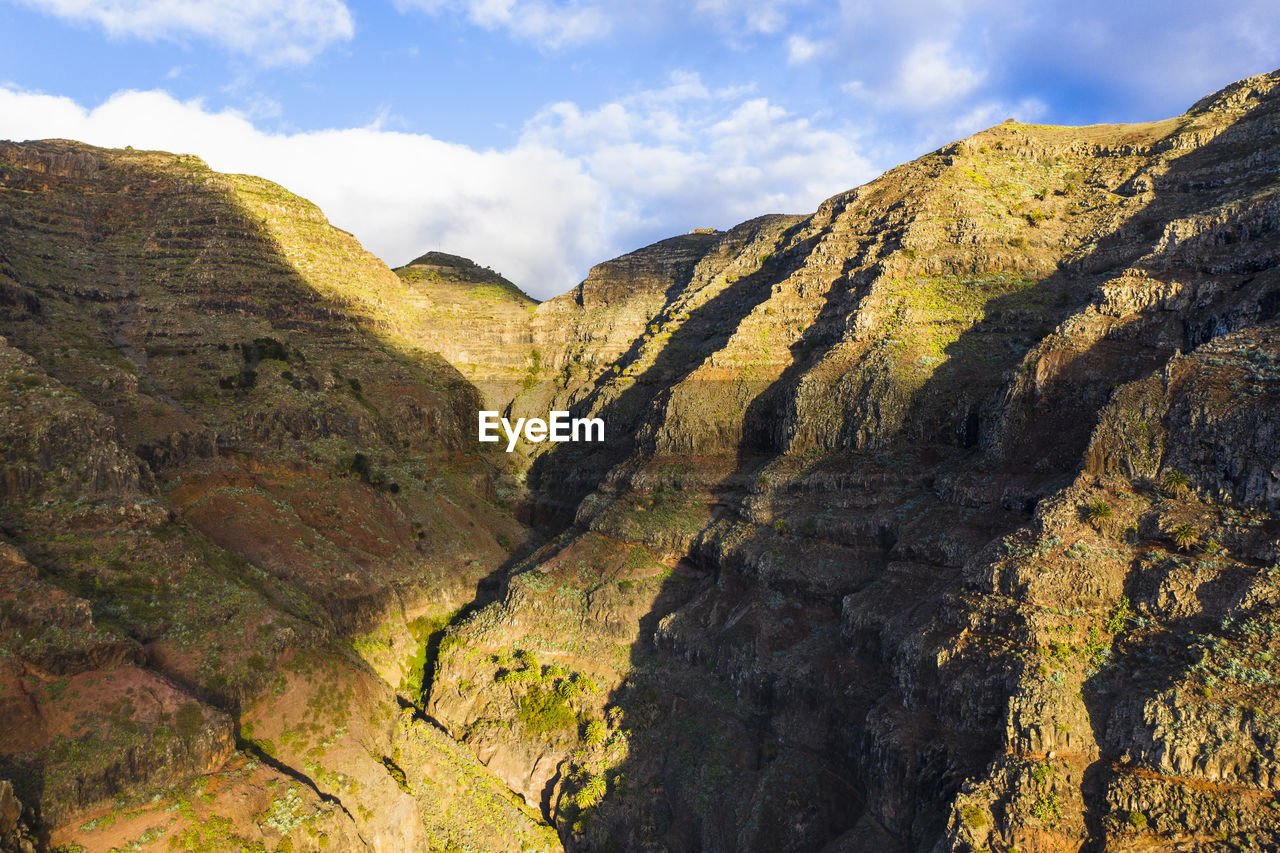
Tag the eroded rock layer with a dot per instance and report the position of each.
(946, 518)
(239, 500)
(942, 519)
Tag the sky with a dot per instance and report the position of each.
(539, 137)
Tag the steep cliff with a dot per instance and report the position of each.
(944, 518)
(476, 319)
(238, 501)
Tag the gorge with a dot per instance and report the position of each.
(945, 518)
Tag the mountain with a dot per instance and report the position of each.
(940, 519)
(946, 518)
(475, 318)
(239, 502)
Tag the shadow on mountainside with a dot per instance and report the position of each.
(570, 471)
(1148, 667)
(314, 474)
(882, 737)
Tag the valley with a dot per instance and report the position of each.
(944, 518)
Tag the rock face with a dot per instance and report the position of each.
(237, 495)
(475, 318)
(941, 519)
(946, 518)
(15, 831)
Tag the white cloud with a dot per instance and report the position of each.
(703, 158)
(273, 32)
(923, 91)
(989, 113)
(930, 75)
(801, 50)
(1094, 59)
(549, 24)
(559, 23)
(579, 186)
(748, 17)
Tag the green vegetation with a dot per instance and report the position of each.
(1176, 484)
(243, 381)
(1047, 806)
(213, 834)
(1097, 651)
(591, 792)
(495, 293)
(1099, 511)
(546, 712)
(363, 467)
(534, 370)
(974, 817)
(548, 705)
(263, 349)
(595, 733)
(190, 721)
(397, 774)
(427, 634)
(1184, 537)
(1120, 616)
(937, 323)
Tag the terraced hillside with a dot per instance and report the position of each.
(476, 319)
(946, 518)
(942, 519)
(238, 501)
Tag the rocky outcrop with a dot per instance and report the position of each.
(941, 519)
(224, 456)
(15, 822)
(476, 319)
(963, 492)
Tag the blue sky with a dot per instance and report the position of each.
(540, 137)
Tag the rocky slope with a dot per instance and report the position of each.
(239, 500)
(476, 319)
(942, 519)
(945, 518)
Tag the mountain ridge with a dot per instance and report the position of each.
(237, 499)
(943, 339)
(943, 518)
